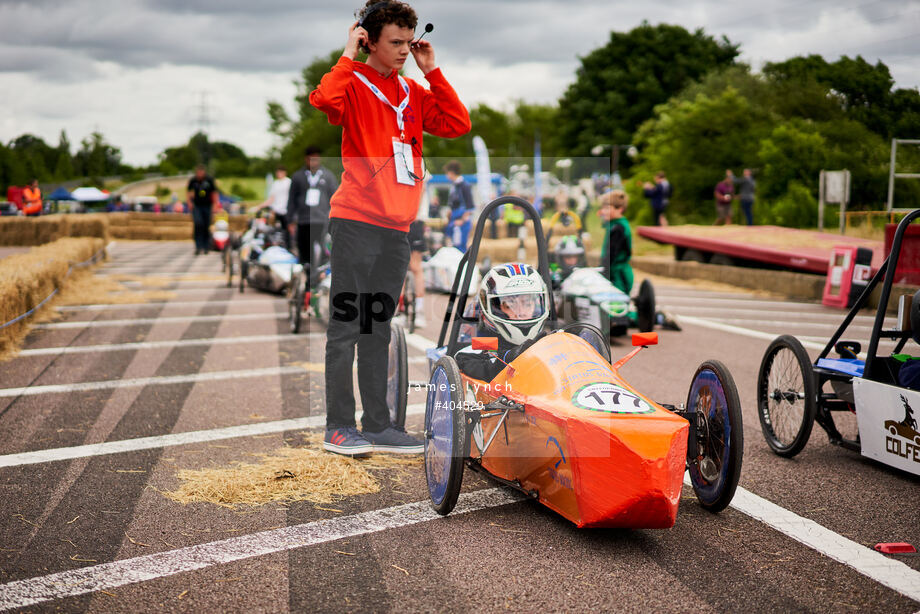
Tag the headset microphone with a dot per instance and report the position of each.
(428, 28)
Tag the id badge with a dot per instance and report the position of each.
(402, 156)
(313, 197)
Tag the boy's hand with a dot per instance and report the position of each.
(423, 53)
(356, 37)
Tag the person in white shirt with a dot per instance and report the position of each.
(278, 201)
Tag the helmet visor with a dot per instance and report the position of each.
(518, 307)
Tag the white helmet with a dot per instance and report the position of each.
(513, 301)
(221, 225)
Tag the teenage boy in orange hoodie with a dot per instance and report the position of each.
(382, 115)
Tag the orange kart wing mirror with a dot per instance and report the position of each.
(485, 343)
(645, 339)
(640, 340)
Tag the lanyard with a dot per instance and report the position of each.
(313, 179)
(398, 110)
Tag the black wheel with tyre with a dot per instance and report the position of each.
(445, 435)
(716, 445)
(786, 396)
(397, 376)
(228, 264)
(693, 255)
(297, 295)
(645, 307)
(409, 301)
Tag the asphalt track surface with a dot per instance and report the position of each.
(210, 376)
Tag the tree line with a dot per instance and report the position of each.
(692, 109)
(29, 157)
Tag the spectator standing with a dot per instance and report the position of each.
(617, 250)
(203, 200)
(308, 205)
(746, 187)
(383, 116)
(724, 193)
(32, 199)
(659, 197)
(460, 200)
(278, 201)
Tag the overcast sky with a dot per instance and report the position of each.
(139, 70)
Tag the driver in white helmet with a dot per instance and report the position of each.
(513, 305)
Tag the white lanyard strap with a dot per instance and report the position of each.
(398, 110)
(313, 179)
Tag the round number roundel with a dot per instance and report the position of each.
(610, 398)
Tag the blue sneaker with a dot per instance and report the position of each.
(346, 440)
(395, 441)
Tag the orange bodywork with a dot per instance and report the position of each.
(595, 450)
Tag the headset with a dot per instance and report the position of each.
(362, 15)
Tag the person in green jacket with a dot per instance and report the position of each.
(617, 250)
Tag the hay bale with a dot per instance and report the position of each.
(27, 279)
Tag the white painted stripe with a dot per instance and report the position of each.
(264, 298)
(419, 342)
(174, 439)
(888, 572)
(155, 345)
(24, 593)
(166, 320)
(834, 316)
(708, 299)
(785, 324)
(160, 380)
(756, 334)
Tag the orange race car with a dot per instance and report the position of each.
(559, 423)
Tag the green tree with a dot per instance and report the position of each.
(97, 158)
(63, 166)
(695, 140)
(619, 84)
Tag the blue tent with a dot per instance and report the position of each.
(60, 194)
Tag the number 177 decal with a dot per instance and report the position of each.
(610, 398)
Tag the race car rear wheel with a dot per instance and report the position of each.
(717, 444)
(786, 397)
(296, 306)
(445, 435)
(397, 376)
(228, 264)
(645, 307)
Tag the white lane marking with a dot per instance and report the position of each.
(756, 334)
(24, 593)
(709, 300)
(888, 572)
(419, 342)
(154, 345)
(789, 324)
(174, 439)
(837, 317)
(167, 320)
(222, 281)
(269, 300)
(158, 380)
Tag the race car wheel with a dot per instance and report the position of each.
(244, 270)
(397, 376)
(786, 397)
(592, 335)
(645, 307)
(408, 298)
(445, 435)
(714, 462)
(295, 303)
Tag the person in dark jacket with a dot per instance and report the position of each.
(658, 195)
(311, 190)
(461, 204)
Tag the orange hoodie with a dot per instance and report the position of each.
(369, 191)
